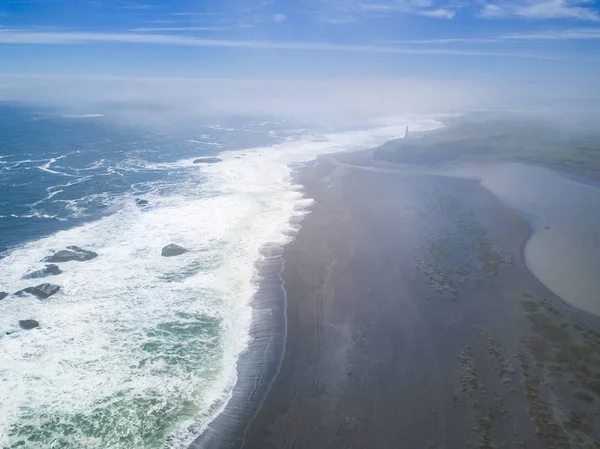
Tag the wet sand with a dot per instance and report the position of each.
(413, 322)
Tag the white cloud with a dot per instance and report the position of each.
(542, 9)
(191, 13)
(336, 19)
(161, 21)
(568, 34)
(437, 13)
(139, 7)
(445, 41)
(352, 11)
(572, 34)
(425, 8)
(9, 36)
(279, 17)
(155, 30)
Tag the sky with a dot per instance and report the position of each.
(529, 42)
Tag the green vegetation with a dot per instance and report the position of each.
(467, 370)
(543, 325)
(567, 356)
(546, 425)
(500, 137)
(577, 423)
(594, 386)
(459, 248)
(495, 349)
(530, 306)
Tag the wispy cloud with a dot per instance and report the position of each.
(446, 41)
(162, 29)
(543, 9)
(72, 38)
(572, 34)
(437, 13)
(279, 17)
(161, 21)
(334, 19)
(192, 13)
(136, 7)
(418, 7)
(569, 34)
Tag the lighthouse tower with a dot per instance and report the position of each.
(406, 132)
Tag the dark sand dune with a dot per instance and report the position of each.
(414, 323)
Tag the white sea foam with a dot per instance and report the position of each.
(91, 348)
(93, 166)
(46, 167)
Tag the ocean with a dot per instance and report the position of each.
(137, 350)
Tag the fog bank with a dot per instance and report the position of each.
(177, 100)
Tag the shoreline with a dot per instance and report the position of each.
(269, 305)
(259, 364)
(246, 418)
(228, 427)
(341, 380)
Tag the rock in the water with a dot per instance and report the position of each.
(207, 160)
(48, 270)
(28, 324)
(41, 291)
(3, 295)
(140, 202)
(71, 253)
(173, 250)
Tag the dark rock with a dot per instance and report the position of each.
(140, 202)
(3, 295)
(71, 253)
(173, 250)
(28, 324)
(42, 291)
(207, 160)
(48, 270)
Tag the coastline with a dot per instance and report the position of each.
(256, 416)
(356, 355)
(259, 364)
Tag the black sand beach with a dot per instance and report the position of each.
(413, 322)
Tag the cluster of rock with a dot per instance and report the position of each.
(45, 290)
(48, 270)
(42, 291)
(71, 253)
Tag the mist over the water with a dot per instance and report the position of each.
(180, 102)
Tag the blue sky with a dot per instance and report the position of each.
(521, 39)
